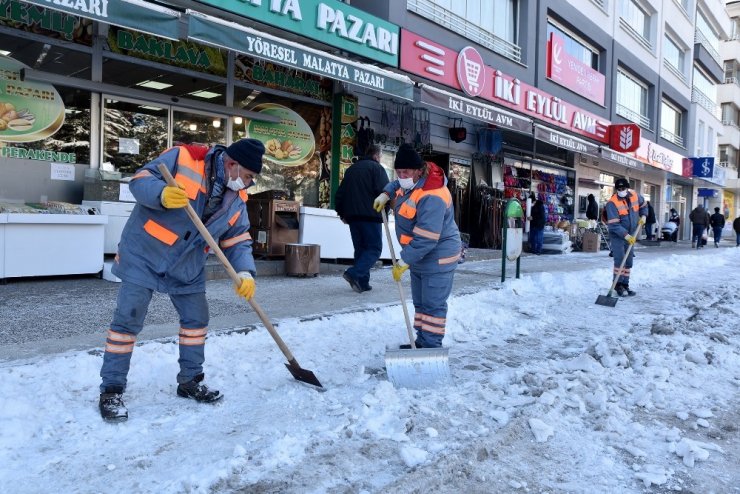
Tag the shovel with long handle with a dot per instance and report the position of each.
(607, 299)
(398, 283)
(415, 367)
(296, 370)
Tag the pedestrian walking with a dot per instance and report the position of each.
(699, 219)
(625, 210)
(736, 227)
(717, 222)
(362, 182)
(592, 208)
(537, 227)
(429, 238)
(649, 221)
(160, 250)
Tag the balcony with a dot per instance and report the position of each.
(675, 71)
(465, 28)
(729, 92)
(671, 137)
(730, 49)
(633, 116)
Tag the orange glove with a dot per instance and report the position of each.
(246, 287)
(174, 197)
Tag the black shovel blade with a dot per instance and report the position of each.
(302, 374)
(606, 300)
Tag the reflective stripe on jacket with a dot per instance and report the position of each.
(161, 248)
(426, 228)
(622, 214)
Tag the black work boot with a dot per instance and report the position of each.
(199, 392)
(627, 291)
(619, 288)
(111, 405)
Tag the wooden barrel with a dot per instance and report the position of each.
(302, 259)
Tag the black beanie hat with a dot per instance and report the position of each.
(621, 182)
(248, 153)
(407, 157)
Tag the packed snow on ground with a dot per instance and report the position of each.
(551, 393)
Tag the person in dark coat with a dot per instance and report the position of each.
(700, 222)
(717, 222)
(736, 227)
(537, 227)
(362, 182)
(650, 221)
(592, 208)
(675, 218)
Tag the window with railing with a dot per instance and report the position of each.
(730, 114)
(632, 99)
(637, 17)
(707, 36)
(671, 123)
(731, 71)
(673, 54)
(729, 155)
(704, 91)
(490, 23)
(575, 46)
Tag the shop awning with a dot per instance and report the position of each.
(565, 141)
(134, 14)
(232, 36)
(621, 159)
(474, 109)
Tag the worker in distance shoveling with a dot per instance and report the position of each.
(161, 250)
(625, 211)
(430, 240)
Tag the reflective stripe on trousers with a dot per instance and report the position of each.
(430, 293)
(128, 321)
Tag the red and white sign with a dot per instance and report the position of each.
(570, 72)
(438, 63)
(471, 71)
(624, 138)
(428, 59)
(660, 157)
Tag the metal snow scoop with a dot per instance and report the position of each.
(609, 300)
(296, 370)
(416, 367)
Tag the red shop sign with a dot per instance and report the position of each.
(624, 137)
(570, 72)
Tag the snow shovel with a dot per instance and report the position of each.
(296, 370)
(416, 368)
(608, 300)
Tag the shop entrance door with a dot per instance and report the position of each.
(679, 204)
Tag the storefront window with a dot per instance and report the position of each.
(73, 138)
(133, 133)
(200, 128)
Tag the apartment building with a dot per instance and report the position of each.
(728, 95)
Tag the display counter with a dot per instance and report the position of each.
(50, 244)
(323, 227)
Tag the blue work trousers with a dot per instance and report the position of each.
(619, 248)
(430, 293)
(128, 321)
(368, 243)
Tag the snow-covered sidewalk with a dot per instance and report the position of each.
(551, 393)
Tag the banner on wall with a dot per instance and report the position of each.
(51, 23)
(297, 147)
(29, 111)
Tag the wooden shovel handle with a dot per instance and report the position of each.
(400, 287)
(227, 265)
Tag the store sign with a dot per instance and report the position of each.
(573, 74)
(703, 192)
(132, 14)
(22, 16)
(329, 21)
(622, 159)
(470, 73)
(565, 141)
(705, 168)
(624, 138)
(658, 156)
(29, 111)
(266, 47)
(474, 109)
(289, 141)
(424, 57)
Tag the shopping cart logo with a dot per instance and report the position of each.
(471, 71)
